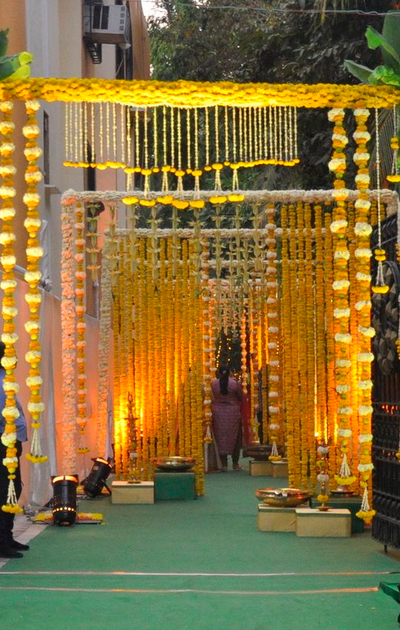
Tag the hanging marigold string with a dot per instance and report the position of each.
(9, 311)
(363, 255)
(32, 276)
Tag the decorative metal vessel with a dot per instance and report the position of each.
(343, 492)
(259, 452)
(175, 464)
(282, 497)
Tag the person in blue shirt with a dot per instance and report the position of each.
(9, 548)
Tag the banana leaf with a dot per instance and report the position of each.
(386, 75)
(3, 42)
(13, 64)
(376, 40)
(357, 70)
(391, 33)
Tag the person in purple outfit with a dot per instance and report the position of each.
(226, 416)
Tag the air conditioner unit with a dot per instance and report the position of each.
(104, 24)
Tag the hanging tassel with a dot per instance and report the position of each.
(11, 506)
(366, 513)
(36, 455)
(345, 478)
(274, 457)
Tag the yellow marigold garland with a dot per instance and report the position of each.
(33, 275)
(363, 254)
(341, 312)
(9, 310)
(274, 374)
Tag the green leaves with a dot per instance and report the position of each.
(13, 66)
(376, 40)
(357, 70)
(3, 42)
(389, 42)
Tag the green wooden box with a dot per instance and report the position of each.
(174, 486)
(346, 503)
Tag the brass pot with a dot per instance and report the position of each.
(282, 497)
(174, 463)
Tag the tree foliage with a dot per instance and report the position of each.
(264, 41)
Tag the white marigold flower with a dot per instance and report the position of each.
(360, 157)
(345, 254)
(273, 395)
(363, 304)
(366, 384)
(6, 192)
(362, 135)
(272, 345)
(11, 412)
(6, 238)
(367, 332)
(363, 179)
(33, 178)
(345, 411)
(363, 277)
(34, 252)
(10, 386)
(274, 427)
(336, 226)
(35, 407)
(365, 467)
(273, 409)
(9, 338)
(274, 378)
(343, 363)
(361, 111)
(346, 433)
(9, 312)
(363, 252)
(34, 106)
(339, 313)
(8, 169)
(33, 356)
(340, 285)
(362, 229)
(336, 164)
(272, 315)
(32, 153)
(6, 148)
(274, 363)
(30, 131)
(34, 382)
(32, 327)
(31, 222)
(365, 357)
(33, 298)
(340, 138)
(6, 127)
(334, 113)
(342, 389)
(32, 277)
(8, 439)
(272, 285)
(5, 285)
(343, 338)
(365, 410)
(6, 106)
(8, 261)
(365, 437)
(10, 460)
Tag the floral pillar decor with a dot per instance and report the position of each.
(341, 284)
(80, 277)
(32, 276)
(69, 461)
(363, 254)
(274, 408)
(8, 309)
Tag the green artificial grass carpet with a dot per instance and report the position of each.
(196, 565)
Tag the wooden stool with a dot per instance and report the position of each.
(130, 493)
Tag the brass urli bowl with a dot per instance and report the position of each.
(174, 464)
(259, 452)
(282, 497)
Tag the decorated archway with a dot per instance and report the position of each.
(304, 295)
